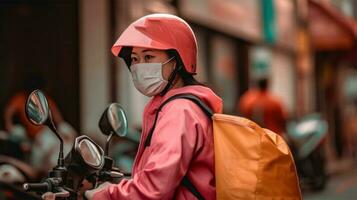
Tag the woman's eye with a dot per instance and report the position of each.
(148, 57)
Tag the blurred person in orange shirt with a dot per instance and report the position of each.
(259, 105)
(16, 107)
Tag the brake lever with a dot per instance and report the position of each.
(115, 174)
(62, 193)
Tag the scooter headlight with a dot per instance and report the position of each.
(86, 156)
(90, 153)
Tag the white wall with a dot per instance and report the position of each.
(283, 79)
(94, 63)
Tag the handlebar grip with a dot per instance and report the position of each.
(36, 186)
(115, 174)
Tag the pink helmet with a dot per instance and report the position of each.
(160, 31)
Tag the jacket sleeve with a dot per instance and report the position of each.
(175, 140)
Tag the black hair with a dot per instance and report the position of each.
(125, 53)
(263, 83)
(187, 77)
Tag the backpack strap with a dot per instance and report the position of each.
(185, 181)
(188, 96)
(189, 185)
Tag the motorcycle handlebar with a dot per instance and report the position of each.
(36, 186)
(47, 185)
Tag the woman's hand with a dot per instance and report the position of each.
(86, 185)
(48, 196)
(90, 193)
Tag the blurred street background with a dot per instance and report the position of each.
(306, 48)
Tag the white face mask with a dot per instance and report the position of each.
(147, 77)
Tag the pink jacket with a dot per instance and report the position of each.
(182, 144)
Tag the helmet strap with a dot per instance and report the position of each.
(171, 80)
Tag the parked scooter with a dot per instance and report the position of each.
(306, 137)
(24, 160)
(17, 161)
(14, 155)
(86, 161)
(13, 173)
(14, 143)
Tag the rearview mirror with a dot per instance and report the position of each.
(37, 110)
(114, 120)
(38, 113)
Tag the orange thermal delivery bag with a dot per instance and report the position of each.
(252, 162)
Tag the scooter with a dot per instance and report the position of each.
(86, 161)
(24, 160)
(307, 137)
(14, 143)
(13, 156)
(14, 164)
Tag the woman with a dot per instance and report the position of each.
(161, 50)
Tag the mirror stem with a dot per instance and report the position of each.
(107, 143)
(60, 161)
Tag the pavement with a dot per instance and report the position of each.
(342, 183)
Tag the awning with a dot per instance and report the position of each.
(329, 29)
